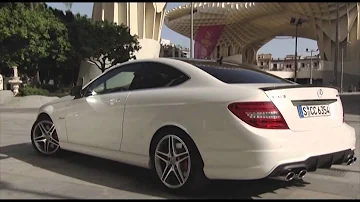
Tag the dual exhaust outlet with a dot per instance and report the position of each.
(292, 175)
(300, 175)
(351, 160)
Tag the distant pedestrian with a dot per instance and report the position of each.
(351, 87)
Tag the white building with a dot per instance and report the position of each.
(169, 49)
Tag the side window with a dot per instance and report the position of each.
(157, 75)
(116, 80)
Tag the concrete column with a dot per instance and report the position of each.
(1, 83)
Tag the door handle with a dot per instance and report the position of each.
(114, 101)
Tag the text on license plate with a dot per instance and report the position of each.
(313, 110)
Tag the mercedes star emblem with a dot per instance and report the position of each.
(320, 93)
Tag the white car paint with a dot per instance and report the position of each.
(93, 121)
(230, 148)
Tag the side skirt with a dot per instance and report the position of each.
(123, 157)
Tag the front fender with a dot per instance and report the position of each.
(57, 114)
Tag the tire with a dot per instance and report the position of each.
(45, 143)
(193, 177)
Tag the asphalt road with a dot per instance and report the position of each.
(26, 175)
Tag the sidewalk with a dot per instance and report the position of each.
(5, 96)
(8, 101)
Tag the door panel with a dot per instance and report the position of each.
(97, 120)
(151, 96)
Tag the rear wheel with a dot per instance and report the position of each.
(44, 137)
(177, 162)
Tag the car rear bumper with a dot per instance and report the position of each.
(314, 162)
(267, 155)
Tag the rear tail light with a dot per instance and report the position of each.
(259, 114)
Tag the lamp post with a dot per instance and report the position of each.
(296, 22)
(311, 63)
(335, 76)
(192, 31)
(342, 68)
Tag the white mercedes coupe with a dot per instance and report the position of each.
(193, 120)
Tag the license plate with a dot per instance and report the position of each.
(313, 110)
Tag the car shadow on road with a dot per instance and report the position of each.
(134, 179)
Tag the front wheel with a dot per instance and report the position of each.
(44, 137)
(177, 163)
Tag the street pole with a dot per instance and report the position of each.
(296, 22)
(336, 46)
(296, 33)
(342, 70)
(192, 31)
(311, 66)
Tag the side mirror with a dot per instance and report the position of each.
(75, 91)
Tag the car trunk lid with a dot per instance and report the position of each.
(307, 107)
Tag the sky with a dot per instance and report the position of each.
(279, 48)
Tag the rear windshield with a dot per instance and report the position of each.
(236, 74)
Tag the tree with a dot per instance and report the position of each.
(103, 43)
(29, 34)
(111, 44)
(78, 27)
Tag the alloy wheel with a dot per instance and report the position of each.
(172, 161)
(45, 137)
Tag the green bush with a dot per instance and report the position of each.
(65, 90)
(50, 88)
(31, 90)
(53, 89)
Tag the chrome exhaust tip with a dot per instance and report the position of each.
(350, 161)
(301, 174)
(290, 176)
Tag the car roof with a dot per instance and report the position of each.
(174, 59)
(187, 67)
(206, 62)
(192, 61)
